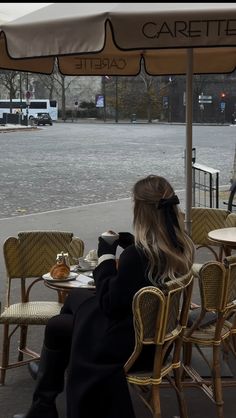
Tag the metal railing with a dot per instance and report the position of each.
(205, 186)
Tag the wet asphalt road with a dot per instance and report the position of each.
(72, 164)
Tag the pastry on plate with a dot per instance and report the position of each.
(60, 271)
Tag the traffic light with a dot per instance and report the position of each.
(222, 95)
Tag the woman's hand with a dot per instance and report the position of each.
(105, 248)
(125, 239)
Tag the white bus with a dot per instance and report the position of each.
(36, 106)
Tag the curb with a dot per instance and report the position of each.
(4, 130)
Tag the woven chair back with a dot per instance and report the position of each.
(218, 285)
(230, 220)
(33, 254)
(205, 220)
(158, 315)
(231, 293)
(213, 285)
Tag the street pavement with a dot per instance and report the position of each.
(74, 164)
(108, 163)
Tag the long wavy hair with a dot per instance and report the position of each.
(159, 230)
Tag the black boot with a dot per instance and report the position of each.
(50, 382)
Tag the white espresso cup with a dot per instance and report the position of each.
(110, 236)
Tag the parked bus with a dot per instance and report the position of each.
(36, 106)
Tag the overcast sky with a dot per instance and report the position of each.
(11, 11)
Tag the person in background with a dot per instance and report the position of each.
(233, 118)
(94, 336)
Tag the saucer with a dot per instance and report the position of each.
(85, 265)
(49, 278)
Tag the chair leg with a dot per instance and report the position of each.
(23, 339)
(180, 393)
(177, 379)
(233, 333)
(220, 257)
(187, 353)
(217, 384)
(5, 354)
(234, 341)
(187, 357)
(156, 404)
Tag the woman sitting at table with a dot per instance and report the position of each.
(94, 333)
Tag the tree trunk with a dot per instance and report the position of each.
(63, 99)
(11, 96)
(149, 116)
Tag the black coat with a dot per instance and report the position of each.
(103, 339)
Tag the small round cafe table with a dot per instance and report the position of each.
(226, 237)
(63, 287)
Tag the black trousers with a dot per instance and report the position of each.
(59, 329)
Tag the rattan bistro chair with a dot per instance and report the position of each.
(218, 294)
(227, 262)
(159, 320)
(27, 258)
(205, 220)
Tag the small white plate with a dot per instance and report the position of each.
(49, 278)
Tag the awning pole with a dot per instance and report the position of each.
(188, 153)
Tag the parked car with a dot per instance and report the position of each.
(43, 119)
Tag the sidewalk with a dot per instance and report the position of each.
(10, 127)
(86, 222)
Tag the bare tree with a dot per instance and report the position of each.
(139, 95)
(63, 86)
(10, 80)
(150, 91)
(46, 82)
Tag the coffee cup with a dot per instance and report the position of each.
(110, 236)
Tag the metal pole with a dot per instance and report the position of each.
(104, 98)
(27, 106)
(211, 191)
(194, 186)
(20, 116)
(189, 120)
(116, 99)
(217, 190)
(20, 88)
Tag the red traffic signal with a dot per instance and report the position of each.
(222, 95)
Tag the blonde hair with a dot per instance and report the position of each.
(159, 229)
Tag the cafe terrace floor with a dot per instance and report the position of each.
(88, 222)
